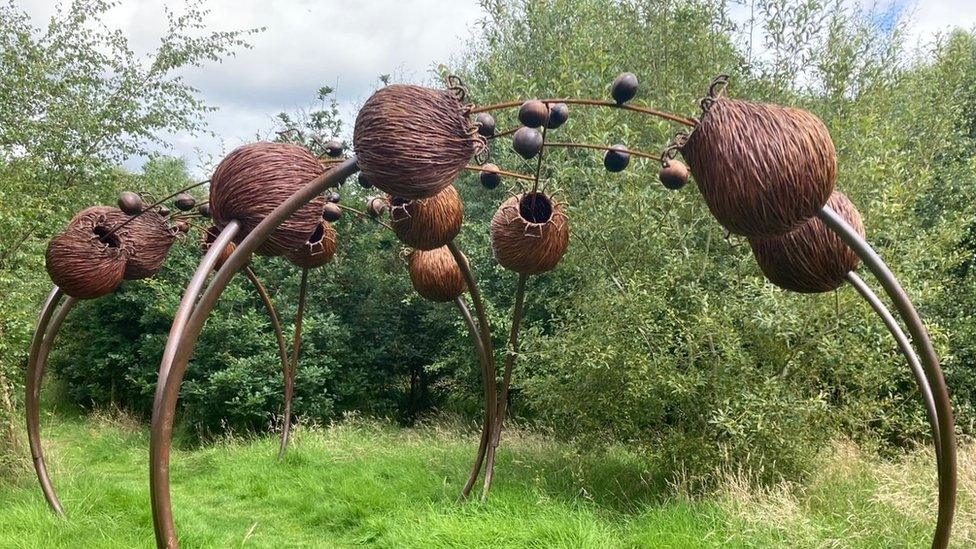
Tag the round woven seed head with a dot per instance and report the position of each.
(435, 275)
(85, 261)
(253, 180)
(318, 250)
(209, 236)
(146, 237)
(763, 169)
(412, 141)
(529, 233)
(427, 223)
(811, 258)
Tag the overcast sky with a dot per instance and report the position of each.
(347, 45)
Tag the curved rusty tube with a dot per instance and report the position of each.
(164, 411)
(510, 355)
(292, 367)
(484, 360)
(946, 465)
(40, 342)
(905, 346)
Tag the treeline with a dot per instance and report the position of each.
(656, 330)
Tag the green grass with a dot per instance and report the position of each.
(363, 483)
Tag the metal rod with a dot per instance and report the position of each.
(905, 346)
(516, 175)
(35, 371)
(572, 145)
(484, 361)
(150, 207)
(947, 437)
(292, 368)
(595, 103)
(364, 215)
(165, 410)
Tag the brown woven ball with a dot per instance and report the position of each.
(435, 275)
(318, 250)
(763, 169)
(427, 223)
(253, 180)
(209, 236)
(811, 258)
(80, 263)
(412, 141)
(529, 233)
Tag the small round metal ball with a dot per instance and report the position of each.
(558, 115)
(164, 211)
(182, 226)
(204, 210)
(331, 212)
(130, 202)
(527, 142)
(184, 202)
(334, 148)
(624, 87)
(376, 207)
(363, 182)
(674, 175)
(533, 113)
(486, 124)
(616, 159)
(490, 178)
(333, 197)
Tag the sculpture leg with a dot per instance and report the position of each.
(930, 361)
(292, 368)
(905, 345)
(35, 372)
(484, 360)
(185, 339)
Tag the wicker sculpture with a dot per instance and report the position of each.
(529, 233)
(427, 223)
(319, 248)
(87, 261)
(435, 274)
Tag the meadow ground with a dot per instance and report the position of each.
(360, 483)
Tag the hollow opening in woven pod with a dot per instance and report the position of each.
(811, 258)
(253, 180)
(86, 260)
(413, 141)
(318, 250)
(427, 223)
(209, 236)
(763, 169)
(435, 275)
(529, 233)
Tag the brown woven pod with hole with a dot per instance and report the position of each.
(318, 249)
(435, 275)
(253, 180)
(412, 141)
(763, 169)
(149, 237)
(80, 263)
(208, 238)
(811, 258)
(427, 223)
(529, 233)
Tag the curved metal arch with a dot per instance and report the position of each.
(946, 464)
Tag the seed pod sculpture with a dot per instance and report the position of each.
(427, 223)
(254, 179)
(412, 141)
(435, 275)
(529, 233)
(318, 250)
(85, 260)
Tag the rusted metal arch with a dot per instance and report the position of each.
(946, 436)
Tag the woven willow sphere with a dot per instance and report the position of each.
(529, 233)
(427, 223)
(811, 258)
(253, 180)
(318, 250)
(81, 263)
(435, 275)
(412, 142)
(150, 240)
(763, 169)
(209, 236)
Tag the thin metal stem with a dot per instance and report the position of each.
(572, 145)
(515, 175)
(292, 369)
(363, 214)
(947, 437)
(595, 103)
(35, 372)
(484, 361)
(164, 411)
(905, 346)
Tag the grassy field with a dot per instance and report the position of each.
(363, 483)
